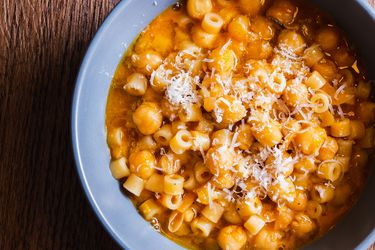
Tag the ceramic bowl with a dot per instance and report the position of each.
(113, 208)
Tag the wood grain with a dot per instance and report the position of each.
(42, 205)
(41, 46)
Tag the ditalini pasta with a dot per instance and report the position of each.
(243, 124)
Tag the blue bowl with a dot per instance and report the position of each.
(116, 212)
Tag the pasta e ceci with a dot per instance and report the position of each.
(243, 124)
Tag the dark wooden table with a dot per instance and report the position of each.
(42, 205)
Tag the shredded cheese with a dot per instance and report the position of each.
(262, 93)
(339, 91)
(225, 46)
(180, 90)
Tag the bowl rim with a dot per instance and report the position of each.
(90, 51)
(74, 125)
(370, 238)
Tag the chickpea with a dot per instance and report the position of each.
(169, 163)
(310, 141)
(267, 133)
(136, 84)
(224, 180)
(259, 49)
(292, 41)
(286, 168)
(249, 206)
(282, 189)
(245, 136)
(212, 88)
(263, 27)
(219, 160)
(142, 163)
(283, 11)
(148, 117)
(229, 110)
(302, 180)
(295, 94)
(222, 137)
(198, 8)
(303, 225)
(200, 141)
(146, 142)
(251, 7)
(147, 61)
(343, 57)
(306, 164)
(268, 239)
(284, 217)
(300, 201)
(231, 215)
(328, 149)
(327, 68)
(223, 61)
(290, 126)
(328, 38)
(204, 126)
(313, 55)
(366, 112)
(232, 237)
(238, 28)
(357, 129)
(228, 14)
(160, 80)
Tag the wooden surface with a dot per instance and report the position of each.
(42, 205)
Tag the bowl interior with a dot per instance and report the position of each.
(357, 229)
(113, 208)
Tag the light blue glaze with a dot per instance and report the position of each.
(114, 209)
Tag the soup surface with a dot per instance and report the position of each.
(241, 124)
